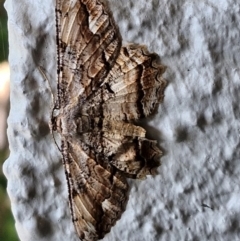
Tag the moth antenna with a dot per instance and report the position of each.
(42, 72)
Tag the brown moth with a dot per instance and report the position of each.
(102, 88)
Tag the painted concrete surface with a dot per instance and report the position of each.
(196, 194)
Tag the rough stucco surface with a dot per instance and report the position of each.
(196, 194)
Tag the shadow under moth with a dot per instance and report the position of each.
(103, 87)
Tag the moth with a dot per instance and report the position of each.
(103, 88)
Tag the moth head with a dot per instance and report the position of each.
(55, 123)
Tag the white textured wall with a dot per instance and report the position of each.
(196, 195)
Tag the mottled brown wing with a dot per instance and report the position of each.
(97, 163)
(133, 88)
(124, 146)
(98, 193)
(136, 82)
(88, 44)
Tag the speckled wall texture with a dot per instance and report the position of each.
(196, 194)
